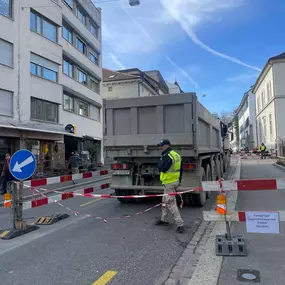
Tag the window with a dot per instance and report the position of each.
(270, 126)
(258, 104)
(81, 16)
(6, 53)
(69, 3)
(94, 29)
(67, 34)
(81, 77)
(36, 69)
(44, 110)
(44, 72)
(82, 108)
(264, 127)
(262, 99)
(43, 67)
(42, 26)
(6, 8)
(94, 85)
(68, 68)
(6, 108)
(68, 103)
(94, 58)
(94, 113)
(269, 91)
(80, 46)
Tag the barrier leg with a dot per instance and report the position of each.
(230, 245)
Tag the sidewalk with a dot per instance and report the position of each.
(266, 252)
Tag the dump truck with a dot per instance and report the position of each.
(134, 126)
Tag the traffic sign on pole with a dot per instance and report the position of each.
(23, 164)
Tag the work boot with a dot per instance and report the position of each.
(180, 230)
(161, 223)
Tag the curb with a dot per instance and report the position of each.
(279, 166)
(196, 261)
(208, 269)
(69, 187)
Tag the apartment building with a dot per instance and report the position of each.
(247, 121)
(50, 75)
(269, 93)
(132, 83)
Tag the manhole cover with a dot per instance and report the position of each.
(247, 275)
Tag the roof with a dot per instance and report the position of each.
(110, 75)
(156, 75)
(271, 60)
(174, 86)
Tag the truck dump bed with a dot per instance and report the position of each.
(134, 126)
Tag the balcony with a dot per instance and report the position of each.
(81, 29)
(81, 60)
(79, 90)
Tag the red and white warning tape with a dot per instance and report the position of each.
(105, 219)
(60, 196)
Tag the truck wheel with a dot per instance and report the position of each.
(200, 199)
(124, 193)
(209, 178)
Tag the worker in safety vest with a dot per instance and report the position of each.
(170, 176)
(262, 149)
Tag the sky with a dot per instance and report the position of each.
(215, 48)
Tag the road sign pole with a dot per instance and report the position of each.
(14, 203)
(20, 224)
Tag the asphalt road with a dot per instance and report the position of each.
(80, 249)
(266, 252)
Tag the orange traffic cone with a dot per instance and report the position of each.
(221, 204)
(7, 200)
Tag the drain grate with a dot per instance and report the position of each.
(248, 275)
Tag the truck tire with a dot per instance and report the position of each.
(209, 178)
(124, 193)
(200, 199)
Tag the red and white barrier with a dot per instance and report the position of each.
(60, 196)
(245, 185)
(238, 216)
(65, 178)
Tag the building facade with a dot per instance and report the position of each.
(50, 75)
(247, 122)
(269, 93)
(132, 83)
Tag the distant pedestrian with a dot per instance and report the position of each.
(6, 175)
(170, 175)
(262, 151)
(74, 162)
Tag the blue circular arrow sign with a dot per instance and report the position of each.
(23, 164)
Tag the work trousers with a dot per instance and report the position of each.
(169, 205)
(75, 170)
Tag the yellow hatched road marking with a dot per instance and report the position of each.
(105, 278)
(91, 202)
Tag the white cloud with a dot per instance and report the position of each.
(243, 77)
(115, 59)
(183, 72)
(189, 13)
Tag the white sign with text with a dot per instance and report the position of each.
(262, 222)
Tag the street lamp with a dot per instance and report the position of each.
(134, 2)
